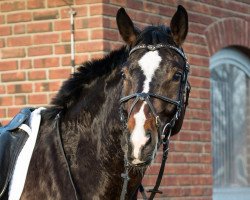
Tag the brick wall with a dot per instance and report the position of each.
(35, 59)
(35, 49)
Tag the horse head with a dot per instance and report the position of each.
(154, 85)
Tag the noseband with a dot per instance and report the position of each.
(164, 131)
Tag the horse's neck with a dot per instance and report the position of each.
(95, 118)
(92, 138)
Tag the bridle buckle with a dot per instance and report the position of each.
(142, 96)
(157, 121)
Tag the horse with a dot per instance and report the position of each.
(112, 111)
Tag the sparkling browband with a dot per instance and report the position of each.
(158, 46)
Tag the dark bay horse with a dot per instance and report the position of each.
(143, 83)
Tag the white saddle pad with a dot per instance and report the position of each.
(23, 160)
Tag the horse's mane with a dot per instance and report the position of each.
(89, 71)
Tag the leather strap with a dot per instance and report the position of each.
(57, 122)
(126, 179)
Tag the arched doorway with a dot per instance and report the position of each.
(230, 104)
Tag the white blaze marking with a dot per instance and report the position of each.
(138, 137)
(148, 63)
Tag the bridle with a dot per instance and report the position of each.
(184, 89)
(164, 131)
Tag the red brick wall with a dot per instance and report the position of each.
(35, 49)
(35, 59)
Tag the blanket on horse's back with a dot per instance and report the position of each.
(17, 141)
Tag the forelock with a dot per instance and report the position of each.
(155, 35)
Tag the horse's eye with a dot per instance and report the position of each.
(177, 76)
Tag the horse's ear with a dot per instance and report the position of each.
(126, 27)
(179, 25)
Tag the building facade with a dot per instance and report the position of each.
(35, 59)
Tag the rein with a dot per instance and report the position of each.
(59, 137)
(167, 128)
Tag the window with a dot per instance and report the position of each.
(230, 104)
